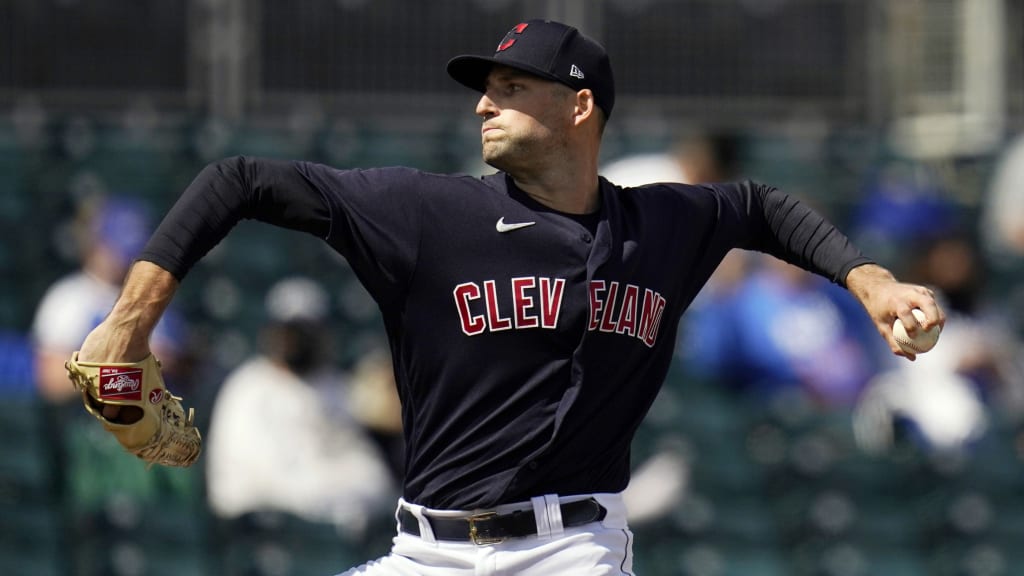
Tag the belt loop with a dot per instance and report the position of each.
(398, 520)
(426, 531)
(554, 514)
(540, 512)
(548, 511)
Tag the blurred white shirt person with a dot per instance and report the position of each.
(110, 232)
(277, 440)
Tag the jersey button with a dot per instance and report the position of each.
(586, 237)
(532, 465)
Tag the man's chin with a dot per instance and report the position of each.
(493, 160)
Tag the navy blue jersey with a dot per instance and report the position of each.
(527, 344)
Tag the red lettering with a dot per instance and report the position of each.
(607, 323)
(522, 302)
(647, 314)
(596, 286)
(494, 319)
(652, 334)
(551, 301)
(471, 325)
(627, 312)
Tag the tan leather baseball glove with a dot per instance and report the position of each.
(163, 434)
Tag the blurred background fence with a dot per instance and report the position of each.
(820, 97)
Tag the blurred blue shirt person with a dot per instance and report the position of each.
(778, 330)
(110, 232)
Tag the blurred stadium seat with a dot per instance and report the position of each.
(279, 544)
(31, 538)
(26, 455)
(127, 536)
(723, 559)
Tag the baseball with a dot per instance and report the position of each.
(924, 340)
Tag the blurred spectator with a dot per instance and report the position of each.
(109, 232)
(929, 404)
(699, 157)
(696, 157)
(1002, 231)
(902, 208)
(16, 357)
(946, 399)
(783, 331)
(942, 401)
(1003, 218)
(375, 404)
(96, 473)
(659, 482)
(282, 437)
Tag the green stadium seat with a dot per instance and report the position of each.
(854, 559)
(31, 538)
(113, 556)
(964, 558)
(26, 454)
(1008, 525)
(895, 561)
(727, 470)
(280, 544)
(128, 536)
(16, 560)
(719, 559)
(886, 520)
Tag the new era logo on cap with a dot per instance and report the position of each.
(547, 49)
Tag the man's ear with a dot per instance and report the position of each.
(585, 106)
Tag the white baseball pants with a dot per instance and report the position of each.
(603, 548)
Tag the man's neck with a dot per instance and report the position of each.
(567, 190)
(564, 179)
(583, 202)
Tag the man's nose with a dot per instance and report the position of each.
(485, 107)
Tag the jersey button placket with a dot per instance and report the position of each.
(586, 237)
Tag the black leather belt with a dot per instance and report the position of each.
(491, 527)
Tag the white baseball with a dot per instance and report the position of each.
(924, 340)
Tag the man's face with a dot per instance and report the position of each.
(525, 118)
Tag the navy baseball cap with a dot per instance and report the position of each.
(550, 50)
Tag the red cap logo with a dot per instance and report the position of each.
(510, 39)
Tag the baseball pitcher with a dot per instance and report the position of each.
(531, 313)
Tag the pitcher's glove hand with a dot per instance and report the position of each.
(163, 434)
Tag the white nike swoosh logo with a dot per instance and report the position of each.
(500, 226)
